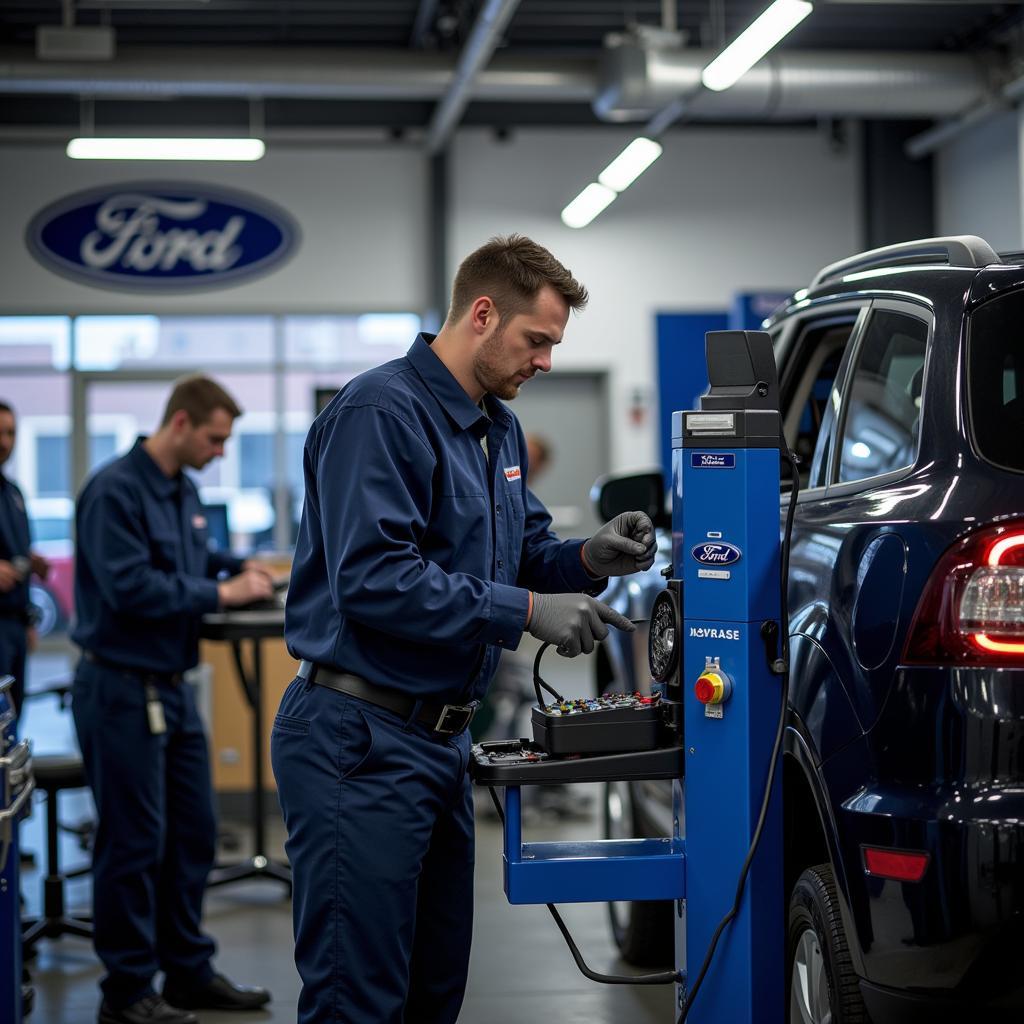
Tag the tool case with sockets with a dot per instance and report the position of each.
(609, 724)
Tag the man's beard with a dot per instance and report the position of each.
(487, 371)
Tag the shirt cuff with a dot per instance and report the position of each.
(576, 576)
(508, 616)
(206, 596)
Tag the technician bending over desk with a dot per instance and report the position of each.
(144, 577)
(421, 555)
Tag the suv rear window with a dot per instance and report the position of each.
(995, 376)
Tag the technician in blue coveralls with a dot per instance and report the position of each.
(144, 577)
(17, 563)
(421, 556)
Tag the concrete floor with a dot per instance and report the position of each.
(521, 970)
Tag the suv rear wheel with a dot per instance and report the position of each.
(642, 930)
(823, 987)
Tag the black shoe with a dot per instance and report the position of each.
(148, 1010)
(219, 993)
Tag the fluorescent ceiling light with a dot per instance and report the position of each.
(753, 43)
(165, 149)
(630, 164)
(587, 205)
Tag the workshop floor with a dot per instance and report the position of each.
(521, 969)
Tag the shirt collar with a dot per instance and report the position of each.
(450, 394)
(162, 485)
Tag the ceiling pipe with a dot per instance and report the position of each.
(632, 85)
(271, 73)
(486, 35)
(947, 131)
(637, 82)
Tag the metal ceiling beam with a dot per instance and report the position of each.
(425, 14)
(486, 34)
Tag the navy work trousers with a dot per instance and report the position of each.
(380, 837)
(156, 833)
(13, 652)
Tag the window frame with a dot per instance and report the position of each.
(918, 310)
(831, 312)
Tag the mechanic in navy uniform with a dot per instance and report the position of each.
(17, 563)
(144, 577)
(421, 555)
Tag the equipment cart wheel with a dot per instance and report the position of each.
(823, 988)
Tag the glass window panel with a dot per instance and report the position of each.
(185, 343)
(349, 341)
(102, 448)
(256, 459)
(53, 465)
(35, 341)
(884, 405)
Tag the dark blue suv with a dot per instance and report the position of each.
(902, 376)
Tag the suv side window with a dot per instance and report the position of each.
(807, 385)
(883, 402)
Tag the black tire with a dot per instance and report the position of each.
(643, 931)
(821, 985)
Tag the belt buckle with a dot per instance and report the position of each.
(465, 711)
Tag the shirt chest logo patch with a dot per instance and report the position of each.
(199, 522)
(513, 473)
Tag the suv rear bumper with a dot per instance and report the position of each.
(954, 938)
(897, 1006)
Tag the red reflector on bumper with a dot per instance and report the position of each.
(896, 864)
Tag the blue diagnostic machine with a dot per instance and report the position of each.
(719, 662)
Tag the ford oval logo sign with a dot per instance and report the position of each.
(161, 237)
(716, 553)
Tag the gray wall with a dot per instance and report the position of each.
(978, 179)
(361, 213)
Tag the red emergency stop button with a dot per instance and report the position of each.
(712, 688)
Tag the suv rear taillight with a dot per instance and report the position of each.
(972, 608)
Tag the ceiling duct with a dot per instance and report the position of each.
(636, 81)
(282, 73)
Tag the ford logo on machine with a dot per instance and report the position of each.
(161, 237)
(716, 553)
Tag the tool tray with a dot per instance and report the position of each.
(525, 763)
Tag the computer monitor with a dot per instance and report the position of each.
(217, 525)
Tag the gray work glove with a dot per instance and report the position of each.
(622, 546)
(573, 622)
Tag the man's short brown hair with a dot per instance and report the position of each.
(200, 397)
(511, 270)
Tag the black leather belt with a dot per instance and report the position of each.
(446, 719)
(174, 678)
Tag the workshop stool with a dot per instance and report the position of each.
(54, 772)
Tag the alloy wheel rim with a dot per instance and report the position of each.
(810, 1001)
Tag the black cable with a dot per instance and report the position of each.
(783, 670)
(660, 978)
(538, 682)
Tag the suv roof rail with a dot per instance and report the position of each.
(956, 250)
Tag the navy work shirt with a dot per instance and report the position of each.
(414, 550)
(15, 542)
(144, 573)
